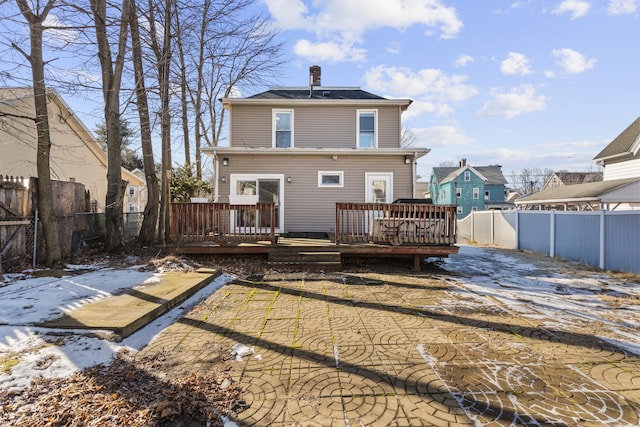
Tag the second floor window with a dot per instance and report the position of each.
(487, 195)
(476, 193)
(283, 128)
(458, 192)
(367, 129)
(132, 191)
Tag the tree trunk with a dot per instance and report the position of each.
(150, 221)
(111, 79)
(163, 57)
(183, 95)
(45, 189)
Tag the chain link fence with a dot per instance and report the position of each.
(22, 245)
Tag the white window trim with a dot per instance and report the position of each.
(385, 175)
(458, 192)
(233, 181)
(476, 193)
(375, 127)
(467, 175)
(274, 113)
(339, 173)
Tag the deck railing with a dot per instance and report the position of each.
(222, 222)
(395, 223)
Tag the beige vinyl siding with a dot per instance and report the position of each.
(314, 127)
(70, 157)
(251, 126)
(306, 206)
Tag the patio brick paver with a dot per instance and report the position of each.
(342, 349)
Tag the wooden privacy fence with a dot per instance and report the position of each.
(223, 222)
(14, 205)
(395, 223)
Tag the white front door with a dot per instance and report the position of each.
(379, 187)
(268, 188)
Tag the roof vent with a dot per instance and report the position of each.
(326, 93)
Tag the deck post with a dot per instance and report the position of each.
(416, 262)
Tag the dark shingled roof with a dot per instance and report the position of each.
(318, 93)
(492, 173)
(623, 143)
(569, 178)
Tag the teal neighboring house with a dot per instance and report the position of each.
(469, 188)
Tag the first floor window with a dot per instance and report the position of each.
(458, 192)
(330, 179)
(459, 209)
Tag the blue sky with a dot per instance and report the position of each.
(524, 84)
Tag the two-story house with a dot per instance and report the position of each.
(75, 154)
(469, 188)
(307, 148)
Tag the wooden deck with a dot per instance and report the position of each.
(301, 245)
(363, 230)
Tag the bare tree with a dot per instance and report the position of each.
(161, 47)
(150, 220)
(111, 80)
(529, 181)
(45, 189)
(230, 48)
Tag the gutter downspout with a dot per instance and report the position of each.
(216, 168)
(414, 165)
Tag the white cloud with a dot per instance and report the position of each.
(577, 8)
(516, 63)
(463, 61)
(328, 51)
(622, 7)
(429, 84)
(394, 48)
(520, 100)
(358, 16)
(571, 61)
(439, 136)
(57, 32)
(345, 22)
(422, 106)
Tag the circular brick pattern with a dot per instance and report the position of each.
(343, 397)
(264, 396)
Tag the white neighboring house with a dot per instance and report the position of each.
(75, 153)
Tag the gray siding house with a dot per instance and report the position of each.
(307, 148)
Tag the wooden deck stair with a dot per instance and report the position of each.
(320, 257)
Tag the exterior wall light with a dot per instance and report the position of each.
(289, 179)
(223, 179)
(407, 160)
(225, 161)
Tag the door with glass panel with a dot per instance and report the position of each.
(258, 189)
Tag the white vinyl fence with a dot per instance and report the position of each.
(609, 240)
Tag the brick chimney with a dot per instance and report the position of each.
(314, 75)
(463, 163)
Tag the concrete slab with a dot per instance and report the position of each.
(126, 313)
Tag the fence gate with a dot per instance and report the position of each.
(13, 222)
